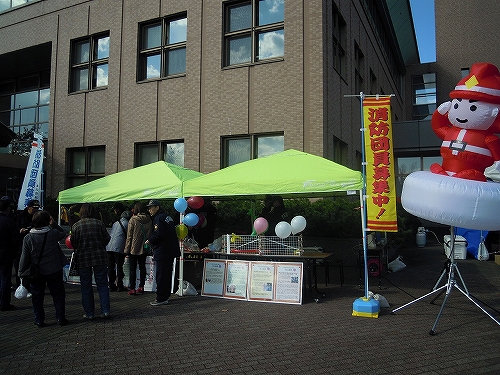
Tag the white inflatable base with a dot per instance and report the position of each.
(452, 201)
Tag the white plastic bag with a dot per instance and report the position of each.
(482, 252)
(396, 265)
(21, 292)
(187, 290)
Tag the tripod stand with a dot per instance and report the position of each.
(449, 270)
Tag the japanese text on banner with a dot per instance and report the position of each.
(32, 184)
(380, 179)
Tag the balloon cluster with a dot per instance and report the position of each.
(191, 219)
(283, 229)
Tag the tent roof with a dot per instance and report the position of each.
(158, 180)
(290, 173)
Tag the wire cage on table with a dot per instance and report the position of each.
(263, 245)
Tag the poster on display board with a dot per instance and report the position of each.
(261, 283)
(236, 279)
(213, 278)
(289, 279)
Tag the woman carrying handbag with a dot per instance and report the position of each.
(41, 246)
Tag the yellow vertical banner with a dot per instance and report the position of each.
(379, 157)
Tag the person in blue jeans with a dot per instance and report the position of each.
(89, 238)
(41, 246)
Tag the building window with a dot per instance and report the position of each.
(24, 108)
(253, 31)
(339, 41)
(359, 69)
(162, 48)
(171, 152)
(407, 165)
(424, 96)
(339, 151)
(464, 72)
(7, 4)
(89, 63)
(85, 164)
(242, 148)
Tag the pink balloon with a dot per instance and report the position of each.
(195, 202)
(260, 225)
(202, 221)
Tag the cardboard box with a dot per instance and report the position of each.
(497, 259)
(460, 246)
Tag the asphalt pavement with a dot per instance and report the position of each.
(205, 335)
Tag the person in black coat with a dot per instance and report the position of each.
(165, 245)
(8, 250)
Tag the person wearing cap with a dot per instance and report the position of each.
(468, 125)
(115, 247)
(165, 245)
(8, 249)
(24, 223)
(138, 231)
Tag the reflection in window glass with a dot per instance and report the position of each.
(153, 64)
(238, 150)
(174, 153)
(147, 154)
(271, 44)
(176, 61)
(151, 36)
(80, 79)
(43, 113)
(177, 31)
(240, 17)
(44, 96)
(82, 52)
(27, 116)
(271, 11)
(43, 130)
(78, 162)
(26, 99)
(428, 160)
(270, 145)
(97, 160)
(408, 165)
(240, 50)
(101, 75)
(102, 48)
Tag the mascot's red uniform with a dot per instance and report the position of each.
(468, 124)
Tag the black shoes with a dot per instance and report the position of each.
(63, 322)
(39, 324)
(7, 308)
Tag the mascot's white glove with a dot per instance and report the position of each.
(493, 171)
(444, 108)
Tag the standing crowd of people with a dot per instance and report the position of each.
(32, 238)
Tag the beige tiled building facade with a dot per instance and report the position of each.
(201, 83)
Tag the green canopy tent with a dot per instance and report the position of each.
(290, 173)
(158, 180)
(153, 181)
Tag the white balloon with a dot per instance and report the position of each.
(283, 229)
(298, 224)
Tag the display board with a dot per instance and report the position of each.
(260, 281)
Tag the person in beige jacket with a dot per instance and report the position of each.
(138, 231)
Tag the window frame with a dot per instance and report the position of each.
(253, 139)
(162, 50)
(253, 31)
(339, 41)
(91, 65)
(87, 175)
(161, 147)
(431, 105)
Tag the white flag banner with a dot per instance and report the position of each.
(32, 183)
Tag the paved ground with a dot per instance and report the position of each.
(201, 335)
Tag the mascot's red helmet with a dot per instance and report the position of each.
(482, 83)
